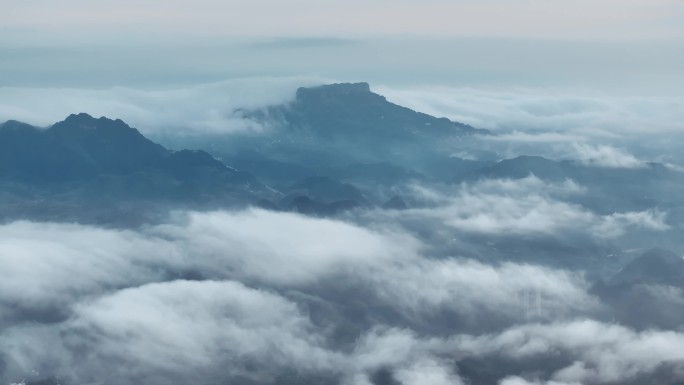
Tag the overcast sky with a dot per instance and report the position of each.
(593, 19)
(628, 46)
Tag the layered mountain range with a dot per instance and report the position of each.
(99, 163)
(335, 147)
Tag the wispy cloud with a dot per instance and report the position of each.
(606, 156)
(208, 109)
(527, 206)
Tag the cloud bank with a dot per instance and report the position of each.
(264, 297)
(600, 129)
(114, 305)
(205, 109)
(528, 206)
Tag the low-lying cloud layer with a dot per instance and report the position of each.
(204, 109)
(600, 129)
(264, 297)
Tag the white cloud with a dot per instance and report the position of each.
(542, 137)
(191, 323)
(572, 113)
(606, 156)
(127, 317)
(267, 248)
(615, 225)
(561, 122)
(600, 352)
(178, 328)
(284, 248)
(177, 112)
(274, 248)
(510, 290)
(46, 266)
(515, 380)
(593, 352)
(521, 207)
(428, 372)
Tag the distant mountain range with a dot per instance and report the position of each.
(336, 131)
(342, 129)
(334, 148)
(86, 168)
(655, 281)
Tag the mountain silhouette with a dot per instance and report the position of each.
(86, 165)
(656, 266)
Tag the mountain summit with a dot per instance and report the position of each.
(90, 166)
(345, 109)
(79, 147)
(336, 125)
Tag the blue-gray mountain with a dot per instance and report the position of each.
(343, 129)
(91, 169)
(335, 147)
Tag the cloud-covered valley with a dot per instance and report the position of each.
(264, 297)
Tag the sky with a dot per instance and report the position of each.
(630, 46)
(593, 19)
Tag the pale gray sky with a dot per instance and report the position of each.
(634, 46)
(83, 20)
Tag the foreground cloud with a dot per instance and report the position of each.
(600, 353)
(266, 287)
(168, 331)
(261, 297)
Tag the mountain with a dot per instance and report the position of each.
(336, 140)
(337, 126)
(342, 142)
(305, 205)
(80, 147)
(395, 203)
(347, 110)
(521, 167)
(647, 293)
(655, 267)
(321, 195)
(94, 166)
(328, 190)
